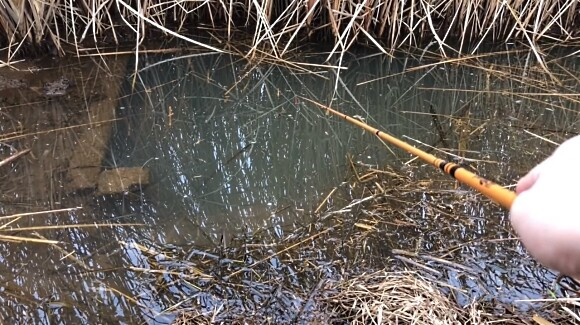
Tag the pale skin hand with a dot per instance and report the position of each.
(546, 212)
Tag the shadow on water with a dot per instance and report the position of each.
(232, 149)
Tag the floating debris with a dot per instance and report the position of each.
(57, 88)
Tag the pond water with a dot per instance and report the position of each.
(232, 148)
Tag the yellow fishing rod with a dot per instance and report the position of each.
(495, 192)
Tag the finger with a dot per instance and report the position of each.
(529, 180)
(568, 151)
(526, 183)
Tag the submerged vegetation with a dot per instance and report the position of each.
(381, 247)
(282, 25)
(341, 268)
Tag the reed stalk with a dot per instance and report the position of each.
(280, 25)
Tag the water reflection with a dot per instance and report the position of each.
(232, 144)
(233, 148)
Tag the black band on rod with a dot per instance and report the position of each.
(453, 169)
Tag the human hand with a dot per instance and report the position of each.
(546, 212)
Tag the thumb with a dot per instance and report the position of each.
(526, 182)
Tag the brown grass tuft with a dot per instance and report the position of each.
(397, 298)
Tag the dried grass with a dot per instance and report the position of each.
(379, 298)
(397, 298)
(280, 26)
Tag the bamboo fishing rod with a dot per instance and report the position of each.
(495, 192)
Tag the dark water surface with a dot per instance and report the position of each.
(232, 148)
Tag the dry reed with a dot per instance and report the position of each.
(280, 26)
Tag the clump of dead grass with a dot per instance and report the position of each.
(397, 298)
